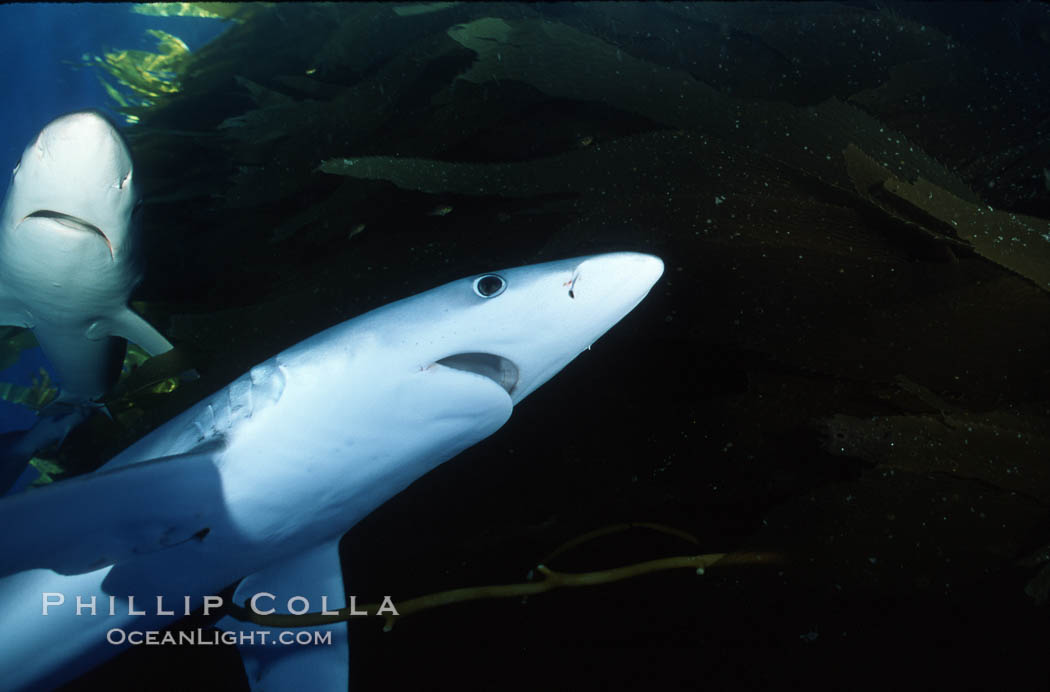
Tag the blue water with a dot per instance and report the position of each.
(38, 42)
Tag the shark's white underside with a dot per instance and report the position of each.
(67, 250)
(68, 265)
(260, 480)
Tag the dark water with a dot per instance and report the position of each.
(844, 367)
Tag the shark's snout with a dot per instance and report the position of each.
(74, 181)
(81, 126)
(602, 276)
(84, 146)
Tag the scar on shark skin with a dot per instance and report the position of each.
(572, 285)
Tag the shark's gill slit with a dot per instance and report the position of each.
(500, 370)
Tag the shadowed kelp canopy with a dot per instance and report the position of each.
(847, 365)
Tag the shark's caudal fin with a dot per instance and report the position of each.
(281, 662)
(78, 525)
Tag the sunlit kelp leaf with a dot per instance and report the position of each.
(133, 357)
(233, 11)
(113, 92)
(47, 470)
(150, 74)
(146, 76)
(36, 396)
(143, 373)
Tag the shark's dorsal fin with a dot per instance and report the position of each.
(314, 575)
(87, 522)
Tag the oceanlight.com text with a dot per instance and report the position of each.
(210, 637)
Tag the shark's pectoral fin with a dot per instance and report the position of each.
(130, 325)
(281, 662)
(12, 312)
(90, 521)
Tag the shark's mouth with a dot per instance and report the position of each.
(497, 368)
(73, 222)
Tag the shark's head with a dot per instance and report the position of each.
(75, 181)
(516, 327)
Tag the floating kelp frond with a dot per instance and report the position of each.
(233, 11)
(543, 54)
(133, 358)
(143, 373)
(422, 8)
(113, 92)
(600, 166)
(36, 396)
(1002, 449)
(1017, 242)
(47, 469)
(146, 75)
(263, 96)
(548, 580)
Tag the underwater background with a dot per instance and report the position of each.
(841, 381)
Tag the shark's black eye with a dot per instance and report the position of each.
(489, 285)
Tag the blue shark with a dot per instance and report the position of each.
(68, 264)
(258, 482)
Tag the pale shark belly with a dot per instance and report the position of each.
(64, 288)
(62, 282)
